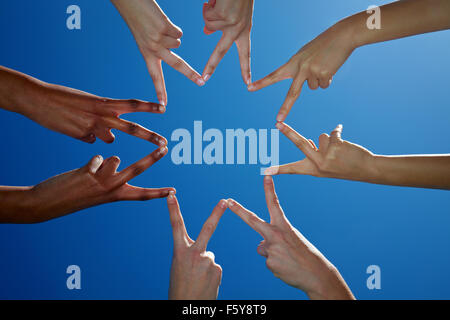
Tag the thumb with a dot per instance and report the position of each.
(261, 249)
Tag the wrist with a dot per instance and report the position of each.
(354, 27)
(331, 287)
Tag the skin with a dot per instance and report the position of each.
(194, 274)
(155, 36)
(234, 19)
(318, 61)
(75, 113)
(337, 158)
(96, 183)
(289, 255)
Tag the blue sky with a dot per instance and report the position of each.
(391, 98)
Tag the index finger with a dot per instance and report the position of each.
(219, 52)
(138, 167)
(176, 62)
(300, 141)
(210, 225)
(255, 222)
(136, 130)
(180, 235)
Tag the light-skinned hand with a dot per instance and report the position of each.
(289, 255)
(335, 158)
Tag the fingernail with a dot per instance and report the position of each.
(251, 87)
(206, 77)
(223, 204)
(171, 196)
(268, 172)
(161, 151)
(230, 202)
(162, 102)
(279, 125)
(162, 108)
(200, 82)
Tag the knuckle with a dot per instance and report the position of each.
(323, 136)
(138, 170)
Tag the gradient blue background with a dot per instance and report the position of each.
(392, 98)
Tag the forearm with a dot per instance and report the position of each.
(16, 205)
(422, 171)
(400, 19)
(16, 90)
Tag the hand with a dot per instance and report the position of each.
(335, 158)
(96, 183)
(234, 19)
(194, 274)
(155, 35)
(290, 256)
(317, 62)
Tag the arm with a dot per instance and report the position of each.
(96, 183)
(336, 158)
(194, 274)
(72, 112)
(289, 255)
(401, 19)
(319, 60)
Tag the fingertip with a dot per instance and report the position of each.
(231, 203)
